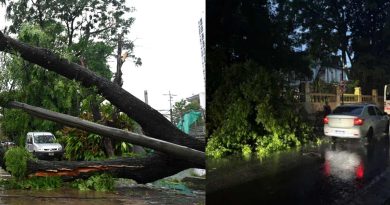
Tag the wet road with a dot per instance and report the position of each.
(127, 192)
(137, 195)
(340, 173)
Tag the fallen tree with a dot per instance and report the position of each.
(155, 125)
(179, 151)
(152, 122)
(142, 170)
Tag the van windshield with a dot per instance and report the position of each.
(44, 139)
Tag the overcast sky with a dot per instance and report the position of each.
(167, 39)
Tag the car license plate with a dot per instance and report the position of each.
(339, 131)
(51, 154)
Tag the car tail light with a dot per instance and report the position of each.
(326, 120)
(327, 168)
(358, 121)
(360, 171)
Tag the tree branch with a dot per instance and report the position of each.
(178, 151)
(153, 123)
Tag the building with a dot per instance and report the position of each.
(328, 74)
(198, 98)
(198, 130)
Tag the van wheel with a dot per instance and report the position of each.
(370, 135)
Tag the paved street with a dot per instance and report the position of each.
(346, 172)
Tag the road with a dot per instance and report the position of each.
(345, 172)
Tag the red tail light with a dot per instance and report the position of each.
(360, 171)
(326, 120)
(326, 168)
(358, 121)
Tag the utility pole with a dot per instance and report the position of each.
(146, 96)
(170, 104)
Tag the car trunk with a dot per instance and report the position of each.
(341, 121)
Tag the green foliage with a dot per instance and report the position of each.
(96, 57)
(258, 114)
(250, 30)
(246, 150)
(16, 161)
(31, 33)
(80, 145)
(31, 84)
(83, 146)
(360, 37)
(217, 148)
(76, 23)
(83, 32)
(102, 182)
(15, 124)
(47, 183)
(125, 149)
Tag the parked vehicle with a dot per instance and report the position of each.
(43, 145)
(386, 99)
(356, 121)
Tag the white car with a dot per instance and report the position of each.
(356, 121)
(43, 145)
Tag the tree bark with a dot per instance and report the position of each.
(142, 170)
(195, 157)
(153, 123)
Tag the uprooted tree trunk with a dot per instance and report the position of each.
(142, 170)
(152, 122)
(174, 150)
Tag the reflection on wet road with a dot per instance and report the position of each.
(127, 192)
(329, 174)
(139, 195)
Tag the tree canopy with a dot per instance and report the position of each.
(83, 32)
(256, 50)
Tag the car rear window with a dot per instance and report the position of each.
(348, 110)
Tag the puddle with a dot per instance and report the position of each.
(126, 192)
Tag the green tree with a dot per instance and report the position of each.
(322, 27)
(85, 32)
(354, 31)
(28, 83)
(238, 31)
(258, 114)
(371, 44)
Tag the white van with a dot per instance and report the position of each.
(43, 145)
